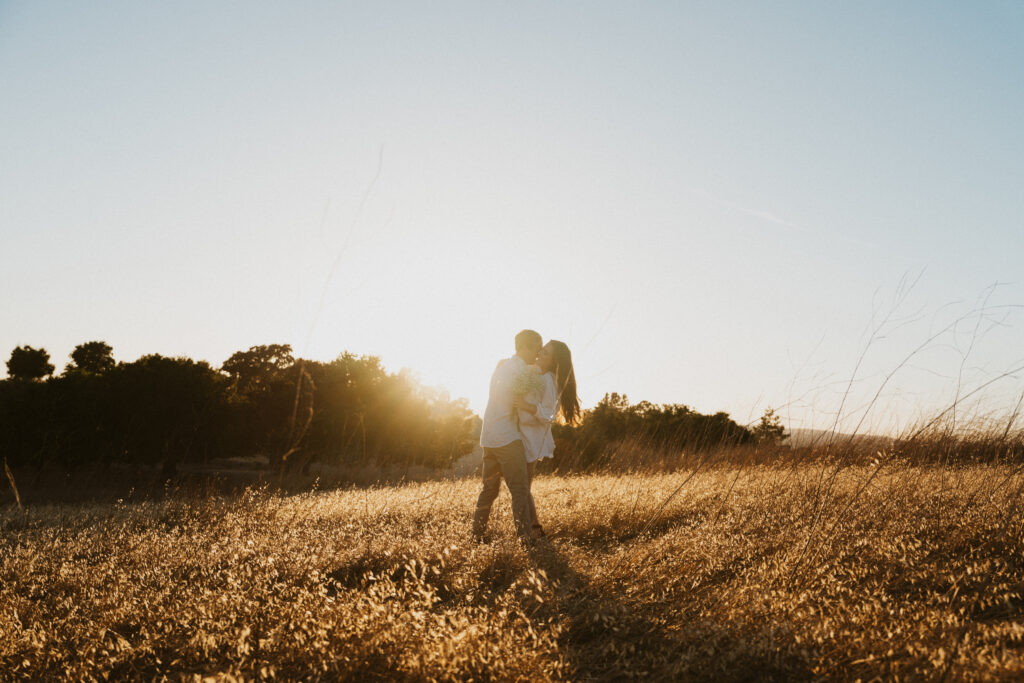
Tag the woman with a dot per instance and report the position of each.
(541, 407)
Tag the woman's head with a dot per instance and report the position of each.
(555, 357)
(546, 358)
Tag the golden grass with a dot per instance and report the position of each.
(749, 573)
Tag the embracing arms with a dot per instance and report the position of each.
(543, 412)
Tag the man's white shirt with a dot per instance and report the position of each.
(499, 427)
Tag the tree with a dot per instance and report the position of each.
(27, 363)
(95, 357)
(168, 409)
(256, 368)
(770, 429)
(614, 427)
(264, 401)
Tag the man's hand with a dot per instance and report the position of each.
(522, 404)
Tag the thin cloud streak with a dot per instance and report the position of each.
(770, 217)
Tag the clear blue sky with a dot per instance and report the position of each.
(708, 201)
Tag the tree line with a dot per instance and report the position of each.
(616, 433)
(166, 411)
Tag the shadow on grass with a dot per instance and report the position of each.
(609, 635)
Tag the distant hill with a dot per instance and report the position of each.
(801, 438)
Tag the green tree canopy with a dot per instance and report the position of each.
(93, 356)
(672, 426)
(256, 368)
(27, 363)
(770, 429)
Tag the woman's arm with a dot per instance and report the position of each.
(547, 408)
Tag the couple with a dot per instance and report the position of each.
(529, 391)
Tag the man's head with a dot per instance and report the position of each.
(528, 345)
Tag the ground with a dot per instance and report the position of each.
(734, 573)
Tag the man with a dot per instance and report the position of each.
(504, 454)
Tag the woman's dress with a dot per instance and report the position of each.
(536, 429)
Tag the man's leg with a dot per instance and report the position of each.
(512, 459)
(492, 484)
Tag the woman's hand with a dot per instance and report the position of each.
(522, 404)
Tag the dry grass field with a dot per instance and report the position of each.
(747, 573)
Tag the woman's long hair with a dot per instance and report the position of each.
(565, 382)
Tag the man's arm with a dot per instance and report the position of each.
(522, 404)
(503, 379)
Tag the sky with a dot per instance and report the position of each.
(733, 205)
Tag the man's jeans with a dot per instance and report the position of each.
(508, 462)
